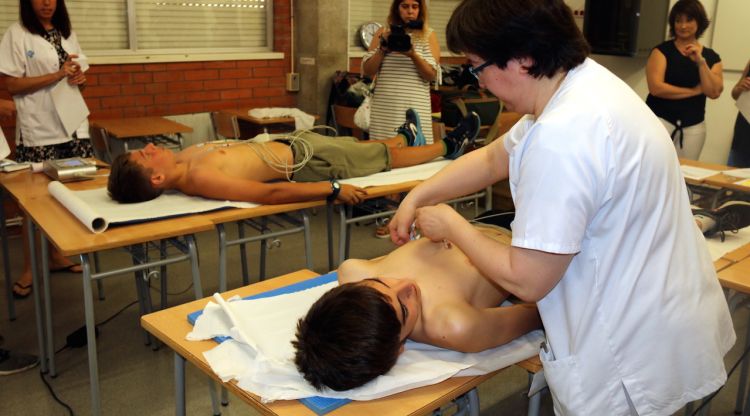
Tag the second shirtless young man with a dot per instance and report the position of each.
(425, 291)
(262, 172)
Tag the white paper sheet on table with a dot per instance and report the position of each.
(263, 364)
(743, 173)
(696, 173)
(96, 210)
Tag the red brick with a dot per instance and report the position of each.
(268, 92)
(106, 114)
(234, 73)
(168, 76)
(285, 101)
(155, 88)
(252, 63)
(252, 82)
(202, 96)
(133, 89)
(220, 65)
(117, 102)
(236, 94)
(184, 66)
(220, 84)
(155, 67)
(143, 77)
(114, 78)
(184, 86)
(131, 68)
(187, 108)
(144, 100)
(101, 91)
(103, 69)
(199, 75)
(135, 112)
(169, 98)
(268, 72)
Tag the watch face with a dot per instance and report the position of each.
(367, 32)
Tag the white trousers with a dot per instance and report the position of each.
(688, 142)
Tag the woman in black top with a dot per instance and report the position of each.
(739, 155)
(681, 73)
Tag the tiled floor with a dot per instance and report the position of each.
(138, 380)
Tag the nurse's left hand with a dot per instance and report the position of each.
(78, 78)
(436, 222)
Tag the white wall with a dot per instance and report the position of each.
(720, 113)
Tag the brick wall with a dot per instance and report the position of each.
(189, 87)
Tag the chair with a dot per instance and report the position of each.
(343, 117)
(99, 141)
(225, 125)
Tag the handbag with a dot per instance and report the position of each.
(362, 115)
(457, 103)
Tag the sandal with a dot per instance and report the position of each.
(382, 232)
(21, 291)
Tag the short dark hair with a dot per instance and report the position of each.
(60, 19)
(130, 182)
(500, 30)
(693, 10)
(348, 337)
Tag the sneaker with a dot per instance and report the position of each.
(412, 129)
(463, 135)
(13, 362)
(732, 216)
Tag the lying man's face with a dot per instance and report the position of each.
(153, 157)
(405, 298)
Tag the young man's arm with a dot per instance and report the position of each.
(210, 183)
(462, 327)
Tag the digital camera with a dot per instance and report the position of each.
(399, 40)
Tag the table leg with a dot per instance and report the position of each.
(342, 235)
(6, 259)
(179, 385)
(308, 240)
(243, 254)
(222, 258)
(44, 247)
(197, 287)
(40, 333)
(473, 397)
(743, 377)
(88, 303)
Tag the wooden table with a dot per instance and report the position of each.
(252, 126)
(171, 325)
(121, 131)
(72, 238)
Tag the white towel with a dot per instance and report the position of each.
(302, 120)
(264, 363)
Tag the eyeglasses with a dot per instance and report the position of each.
(477, 70)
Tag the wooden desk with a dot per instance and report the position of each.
(71, 238)
(252, 126)
(120, 131)
(171, 325)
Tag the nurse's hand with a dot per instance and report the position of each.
(7, 107)
(400, 225)
(436, 222)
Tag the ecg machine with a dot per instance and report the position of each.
(67, 170)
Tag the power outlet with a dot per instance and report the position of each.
(292, 81)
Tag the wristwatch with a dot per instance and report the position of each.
(335, 190)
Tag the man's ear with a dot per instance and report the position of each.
(525, 63)
(157, 179)
(401, 348)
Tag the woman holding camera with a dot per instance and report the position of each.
(36, 54)
(406, 58)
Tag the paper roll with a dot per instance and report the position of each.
(90, 219)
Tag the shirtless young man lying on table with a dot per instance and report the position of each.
(424, 291)
(262, 172)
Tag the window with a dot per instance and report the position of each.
(153, 27)
(363, 11)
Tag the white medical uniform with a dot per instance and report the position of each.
(23, 54)
(4, 148)
(639, 312)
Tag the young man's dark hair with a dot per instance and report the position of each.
(349, 337)
(556, 44)
(693, 10)
(31, 22)
(129, 182)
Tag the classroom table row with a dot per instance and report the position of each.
(58, 226)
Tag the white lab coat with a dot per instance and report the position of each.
(639, 312)
(23, 54)
(4, 148)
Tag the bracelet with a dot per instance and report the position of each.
(335, 190)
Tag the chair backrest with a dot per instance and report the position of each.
(225, 125)
(344, 117)
(99, 143)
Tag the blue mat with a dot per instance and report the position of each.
(319, 405)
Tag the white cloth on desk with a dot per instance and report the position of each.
(732, 241)
(260, 355)
(302, 120)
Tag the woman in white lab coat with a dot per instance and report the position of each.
(603, 237)
(36, 54)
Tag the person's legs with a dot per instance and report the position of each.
(402, 157)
